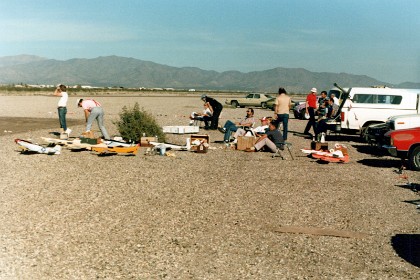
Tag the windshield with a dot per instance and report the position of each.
(336, 92)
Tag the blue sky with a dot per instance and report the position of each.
(378, 38)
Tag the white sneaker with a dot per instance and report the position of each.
(68, 131)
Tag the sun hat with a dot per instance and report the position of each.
(313, 90)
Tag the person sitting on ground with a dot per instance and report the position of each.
(257, 131)
(230, 126)
(271, 141)
(206, 116)
(331, 111)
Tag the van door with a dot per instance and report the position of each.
(418, 104)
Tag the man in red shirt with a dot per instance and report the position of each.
(311, 106)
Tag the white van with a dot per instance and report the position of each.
(366, 106)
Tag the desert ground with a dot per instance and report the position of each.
(224, 214)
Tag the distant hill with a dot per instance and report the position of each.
(19, 59)
(129, 72)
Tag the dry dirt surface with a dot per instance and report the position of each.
(224, 214)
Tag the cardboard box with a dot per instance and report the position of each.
(202, 148)
(181, 129)
(201, 138)
(145, 141)
(245, 142)
(88, 134)
(91, 141)
(319, 146)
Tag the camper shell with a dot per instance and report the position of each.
(361, 107)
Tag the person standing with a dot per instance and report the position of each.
(310, 108)
(322, 104)
(281, 110)
(217, 109)
(93, 111)
(61, 91)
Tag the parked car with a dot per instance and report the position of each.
(375, 133)
(250, 100)
(405, 144)
(299, 109)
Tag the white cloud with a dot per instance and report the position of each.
(48, 30)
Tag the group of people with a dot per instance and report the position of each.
(92, 110)
(269, 136)
(325, 108)
(269, 133)
(210, 115)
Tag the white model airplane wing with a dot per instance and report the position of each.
(27, 145)
(171, 146)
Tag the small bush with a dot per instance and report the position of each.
(134, 122)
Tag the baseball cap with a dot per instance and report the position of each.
(313, 90)
(264, 119)
(203, 96)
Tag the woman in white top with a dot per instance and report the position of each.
(62, 107)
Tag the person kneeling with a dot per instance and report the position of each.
(271, 141)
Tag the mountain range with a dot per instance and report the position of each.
(116, 71)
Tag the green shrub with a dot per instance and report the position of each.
(133, 123)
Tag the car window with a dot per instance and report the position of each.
(256, 96)
(250, 95)
(377, 99)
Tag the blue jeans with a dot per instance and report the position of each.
(311, 122)
(62, 111)
(229, 126)
(284, 119)
(97, 113)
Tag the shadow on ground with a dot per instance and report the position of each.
(384, 163)
(407, 246)
(371, 150)
(15, 125)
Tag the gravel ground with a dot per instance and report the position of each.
(219, 215)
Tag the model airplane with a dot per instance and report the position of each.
(31, 147)
(334, 155)
(167, 146)
(76, 143)
(116, 149)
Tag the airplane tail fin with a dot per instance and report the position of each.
(57, 149)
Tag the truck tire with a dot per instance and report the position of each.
(234, 104)
(414, 159)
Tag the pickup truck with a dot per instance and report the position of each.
(405, 144)
(362, 107)
(375, 133)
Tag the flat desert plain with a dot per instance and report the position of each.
(224, 214)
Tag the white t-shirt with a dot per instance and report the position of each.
(260, 129)
(63, 99)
